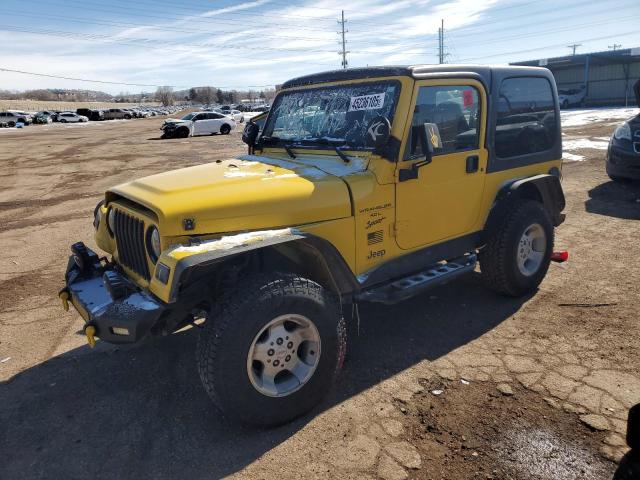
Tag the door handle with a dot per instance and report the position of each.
(473, 162)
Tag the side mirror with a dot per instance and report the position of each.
(250, 133)
(428, 135)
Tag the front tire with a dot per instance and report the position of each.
(225, 129)
(271, 349)
(517, 255)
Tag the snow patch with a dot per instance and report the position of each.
(579, 117)
(282, 176)
(579, 143)
(321, 165)
(231, 241)
(572, 157)
(241, 174)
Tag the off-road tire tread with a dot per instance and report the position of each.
(271, 287)
(494, 256)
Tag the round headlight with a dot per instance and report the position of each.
(111, 221)
(153, 243)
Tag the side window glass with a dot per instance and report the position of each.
(526, 119)
(455, 110)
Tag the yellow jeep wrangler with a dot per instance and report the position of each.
(362, 185)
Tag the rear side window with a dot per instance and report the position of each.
(526, 121)
(455, 110)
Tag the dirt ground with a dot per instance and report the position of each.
(566, 357)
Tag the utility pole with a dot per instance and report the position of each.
(614, 47)
(344, 41)
(574, 46)
(441, 55)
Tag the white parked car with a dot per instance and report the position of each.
(70, 117)
(197, 123)
(572, 96)
(13, 117)
(237, 115)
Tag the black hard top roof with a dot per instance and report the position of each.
(485, 72)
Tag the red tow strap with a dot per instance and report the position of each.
(560, 256)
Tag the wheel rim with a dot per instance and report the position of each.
(284, 355)
(531, 249)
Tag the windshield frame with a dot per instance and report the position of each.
(323, 86)
(193, 114)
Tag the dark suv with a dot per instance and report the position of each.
(623, 154)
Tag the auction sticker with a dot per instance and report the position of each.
(366, 102)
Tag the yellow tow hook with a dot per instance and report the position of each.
(90, 332)
(64, 296)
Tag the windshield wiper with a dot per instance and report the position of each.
(287, 148)
(342, 155)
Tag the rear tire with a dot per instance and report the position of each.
(225, 129)
(244, 362)
(517, 255)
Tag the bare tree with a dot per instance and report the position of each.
(165, 96)
(207, 95)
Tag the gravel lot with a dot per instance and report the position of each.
(458, 383)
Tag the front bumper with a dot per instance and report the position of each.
(118, 311)
(623, 163)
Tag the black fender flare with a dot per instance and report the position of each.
(545, 188)
(342, 278)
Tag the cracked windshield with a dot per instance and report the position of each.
(338, 116)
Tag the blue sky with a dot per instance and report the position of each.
(264, 42)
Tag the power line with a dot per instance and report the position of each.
(144, 26)
(2, 69)
(158, 44)
(212, 21)
(557, 45)
(526, 35)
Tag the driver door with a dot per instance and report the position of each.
(443, 202)
(200, 126)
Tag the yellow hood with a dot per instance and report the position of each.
(242, 194)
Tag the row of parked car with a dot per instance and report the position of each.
(242, 107)
(13, 118)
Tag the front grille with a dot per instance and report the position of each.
(130, 241)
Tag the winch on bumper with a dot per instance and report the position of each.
(113, 308)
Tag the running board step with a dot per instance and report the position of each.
(416, 283)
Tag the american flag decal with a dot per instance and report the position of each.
(374, 237)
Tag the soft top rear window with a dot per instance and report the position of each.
(526, 119)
